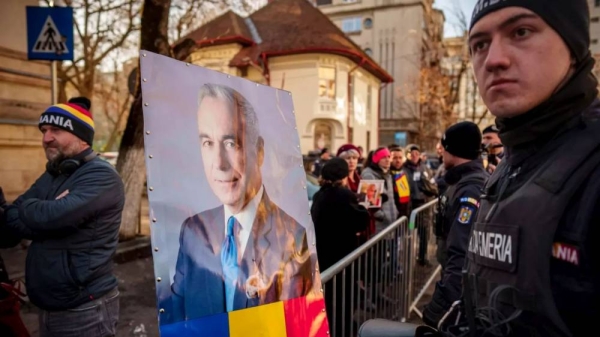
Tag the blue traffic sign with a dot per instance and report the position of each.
(49, 33)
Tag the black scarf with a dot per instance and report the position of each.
(562, 111)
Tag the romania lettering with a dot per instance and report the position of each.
(565, 252)
(57, 120)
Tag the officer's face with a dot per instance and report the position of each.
(491, 138)
(231, 164)
(59, 144)
(518, 60)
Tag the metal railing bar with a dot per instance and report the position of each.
(343, 263)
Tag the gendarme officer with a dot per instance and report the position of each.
(458, 207)
(533, 256)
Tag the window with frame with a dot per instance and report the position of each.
(351, 25)
(327, 82)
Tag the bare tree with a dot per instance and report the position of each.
(112, 100)
(130, 164)
(101, 28)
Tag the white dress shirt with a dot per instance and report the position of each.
(246, 220)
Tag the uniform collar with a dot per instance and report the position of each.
(454, 174)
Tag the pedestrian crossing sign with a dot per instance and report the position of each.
(50, 33)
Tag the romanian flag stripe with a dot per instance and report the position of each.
(299, 317)
(73, 111)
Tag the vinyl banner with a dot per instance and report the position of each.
(232, 237)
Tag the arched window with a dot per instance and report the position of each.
(368, 23)
(369, 52)
(323, 136)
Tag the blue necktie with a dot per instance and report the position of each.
(229, 262)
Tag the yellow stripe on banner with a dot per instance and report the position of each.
(77, 114)
(262, 321)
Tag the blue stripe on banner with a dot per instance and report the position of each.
(213, 326)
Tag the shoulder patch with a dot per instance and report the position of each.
(471, 201)
(465, 214)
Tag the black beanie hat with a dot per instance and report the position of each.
(335, 169)
(491, 129)
(569, 18)
(463, 140)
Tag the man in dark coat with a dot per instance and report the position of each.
(458, 208)
(72, 214)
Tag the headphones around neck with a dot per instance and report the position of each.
(69, 166)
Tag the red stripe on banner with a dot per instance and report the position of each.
(306, 317)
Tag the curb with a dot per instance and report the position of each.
(137, 248)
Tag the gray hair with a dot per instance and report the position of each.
(236, 101)
(348, 153)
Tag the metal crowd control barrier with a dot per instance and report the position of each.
(369, 283)
(424, 267)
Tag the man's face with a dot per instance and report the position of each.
(59, 144)
(448, 160)
(415, 156)
(492, 138)
(439, 149)
(518, 59)
(231, 164)
(397, 159)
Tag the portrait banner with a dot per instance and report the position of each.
(369, 193)
(232, 237)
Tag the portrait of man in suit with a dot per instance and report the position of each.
(247, 251)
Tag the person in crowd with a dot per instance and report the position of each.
(351, 155)
(337, 217)
(312, 182)
(457, 210)
(441, 170)
(72, 214)
(400, 181)
(324, 156)
(378, 168)
(421, 189)
(493, 146)
(11, 323)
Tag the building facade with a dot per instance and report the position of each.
(468, 106)
(24, 95)
(402, 36)
(290, 45)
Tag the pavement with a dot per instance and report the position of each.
(134, 270)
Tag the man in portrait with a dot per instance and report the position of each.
(247, 251)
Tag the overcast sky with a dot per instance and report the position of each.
(449, 7)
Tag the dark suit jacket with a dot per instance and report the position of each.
(277, 251)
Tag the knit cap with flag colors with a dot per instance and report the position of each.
(73, 117)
